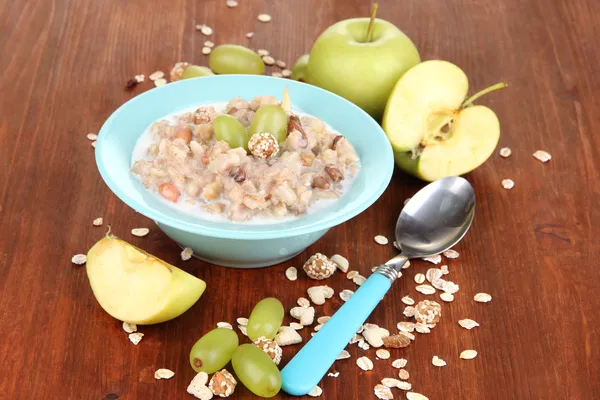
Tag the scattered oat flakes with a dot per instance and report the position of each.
(242, 321)
(287, 336)
(98, 222)
(79, 259)
(405, 326)
(277, 74)
(156, 75)
(250, 35)
(268, 60)
(92, 136)
(395, 383)
(482, 298)
(468, 323)
(505, 152)
(542, 155)
(396, 341)
(409, 311)
(262, 52)
(364, 363)
(93, 144)
(346, 294)
(231, 3)
(359, 279)
(286, 72)
(160, 82)
(343, 355)
(226, 325)
(322, 320)
(136, 337)
(468, 354)
(382, 240)
(340, 262)
(129, 328)
(433, 259)
(206, 50)
(408, 300)
(383, 354)
(415, 396)
(210, 44)
(305, 315)
(140, 232)
(444, 269)
(438, 362)
(403, 374)
(383, 392)
(198, 388)
(303, 302)
(264, 17)
(450, 253)
(296, 325)
(186, 254)
(425, 289)
(508, 183)
(315, 392)
(419, 278)
(433, 274)
(139, 78)
(352, 274)
(205, 29)
(318, 294)
(163, 373)
(222, 383)
(447, 297)
(399, 363)
(333, 374)
(291, 273)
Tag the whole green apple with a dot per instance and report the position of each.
(362, 67)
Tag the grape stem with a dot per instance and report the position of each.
(470, 100)
(371, 22)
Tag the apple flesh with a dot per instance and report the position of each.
(433, 131)
(363, 71)
(136, 287)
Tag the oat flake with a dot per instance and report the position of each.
(262, 52)
(225, 325)
(444, 269)
(415, 396)
(160, 82)
(447, 297)
(98, 222)
(380, 239)
(450, 253)
(383, 392)
(250, 35)
(419, 278)
(93, 144)
(281, 64)
(399, 363)
(206, 50)
(364, 363)
(291, 273)
(129, 328)
(468, 354)
(242, 321)
(359, 279)
(139, 78)
(264, 17)
(140, 232)
(405, 326)
(408, 300)
(343, 355)
(505, 152)
(286, 73)
(482, 298)
(542, 155)
(296, 325)
(383, 354)
(210, 44)
(403, 374)
(409, 311)
(156, 75)
(277, 74)
(352, 274)
(268, 60)
(243, 329)
(346, 294)
(433, 259)
(340, 262)
(425, 289)
(322, 320)
(508, 183)
(92, 136)
(186, 254)
(303, 302)
(231, 3)
(136, 337)
(79, 259)
(315, 392)
(205, 29)
(163, 373)
(468, 323)
(406, 264)
(438, 362)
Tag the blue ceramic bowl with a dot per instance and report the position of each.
(235, 244)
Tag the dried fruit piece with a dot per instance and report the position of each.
(270, 347)
(542, 155)
(383, 392)
(428, 312)
(291, 273)
(380, 239)
(222, 383)
(482, 298)
(163, 373)
(340, 262)
(364, 363)
(318, 294)
(468, 354)
(468, 323)
(438, 362)
(319, 267)
(206, 50)
(396, 341)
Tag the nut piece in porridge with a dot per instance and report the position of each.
(244, 160)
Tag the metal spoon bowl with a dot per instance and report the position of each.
(434, 220)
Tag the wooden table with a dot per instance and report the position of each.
(533, 248)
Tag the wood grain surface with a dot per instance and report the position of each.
(534, 248)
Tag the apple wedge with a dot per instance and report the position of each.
(433, 130)
(136, 287)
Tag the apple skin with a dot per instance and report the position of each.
(364, 73)
(136, 287)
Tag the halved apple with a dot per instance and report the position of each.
(136, 287)
(434, 131)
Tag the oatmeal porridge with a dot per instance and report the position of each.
(244, 160)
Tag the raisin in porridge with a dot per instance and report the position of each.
(292, 165)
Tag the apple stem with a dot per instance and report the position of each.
(371, 22)
(470, 100)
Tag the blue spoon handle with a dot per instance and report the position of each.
(311, 363)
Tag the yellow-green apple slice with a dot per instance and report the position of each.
(136, 287)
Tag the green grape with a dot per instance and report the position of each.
(299, 71)
(265, 319)
(229, 129)
(213, 350)
(270, 119)
(233, 59)
(195, 71)
(256, 370)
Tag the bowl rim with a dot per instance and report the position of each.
(230, 230)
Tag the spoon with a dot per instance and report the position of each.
(433, 221)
